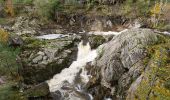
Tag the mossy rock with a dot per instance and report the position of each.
(9, 91)
(155, 82)
(39, 91)
(96, 40)
(33, 43)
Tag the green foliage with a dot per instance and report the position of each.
(8, 63)
(71, 2)
(9, 91)
(3, 21)
(3, 36)
(32, 43)
(47, 8)
(23, 1)
(1, 1)
(155, 82)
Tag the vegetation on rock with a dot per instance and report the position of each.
(134, 65)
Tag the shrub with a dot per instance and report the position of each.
(47, 8)
(9, 91)
(22, 1)
(9, 9)
(3, 36)
(8, 64)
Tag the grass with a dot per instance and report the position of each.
(9, 91)
(8, 63)
(5, 20)
(9, 68)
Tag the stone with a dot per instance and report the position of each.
(97, 26)
(59, 31)
(38, 91)
(37, 59)
(124, 64)
(41, 53)
(96, 40)
(15, 41)
(46, 56)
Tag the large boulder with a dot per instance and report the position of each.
(41, 59)
(97, 40)
(40, 91)
(133, 65)
(26, 26)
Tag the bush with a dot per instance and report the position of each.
(23, 1)
(8, 64)
(47, 8)
(3, 36)
(9, 91)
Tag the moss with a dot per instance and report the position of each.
(38, 91)
(155, 83)
(8, 64)
(4, 36)
(8, 91)
(33, 43)
(167, 84)
(96, 41)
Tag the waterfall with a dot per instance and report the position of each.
(68, 75)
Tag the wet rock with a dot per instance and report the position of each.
(26, 26)
(96, 40)
(46, 56)
(81, 21)
(15, 41)
(97, 26)
(57, 95)
(40, 91)
(37, 59)
(124, 65)
(2, 80)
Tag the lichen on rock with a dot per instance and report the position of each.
(46, 56)
(131, 66)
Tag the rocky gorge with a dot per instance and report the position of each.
(124, 65)
(84, 56)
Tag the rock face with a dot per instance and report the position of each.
(97, 40)
(40, 91)
(41, 59)
(131, 66)
(26, 26)
(81, 21)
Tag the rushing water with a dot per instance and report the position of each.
(70, 82)
(107, 33)
(51, 36)
(67, 82)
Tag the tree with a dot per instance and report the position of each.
(9, 7)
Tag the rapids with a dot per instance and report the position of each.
(70, 82)
(66, 80)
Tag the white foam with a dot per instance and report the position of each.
(167, 33)
(107, 33)
(85, 54)
(51, 36)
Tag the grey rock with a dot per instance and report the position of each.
(41, 53)
(38, 91)
(46, 56)
(37, 59)
(121, 60)
(97, 25)
(15, 40)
